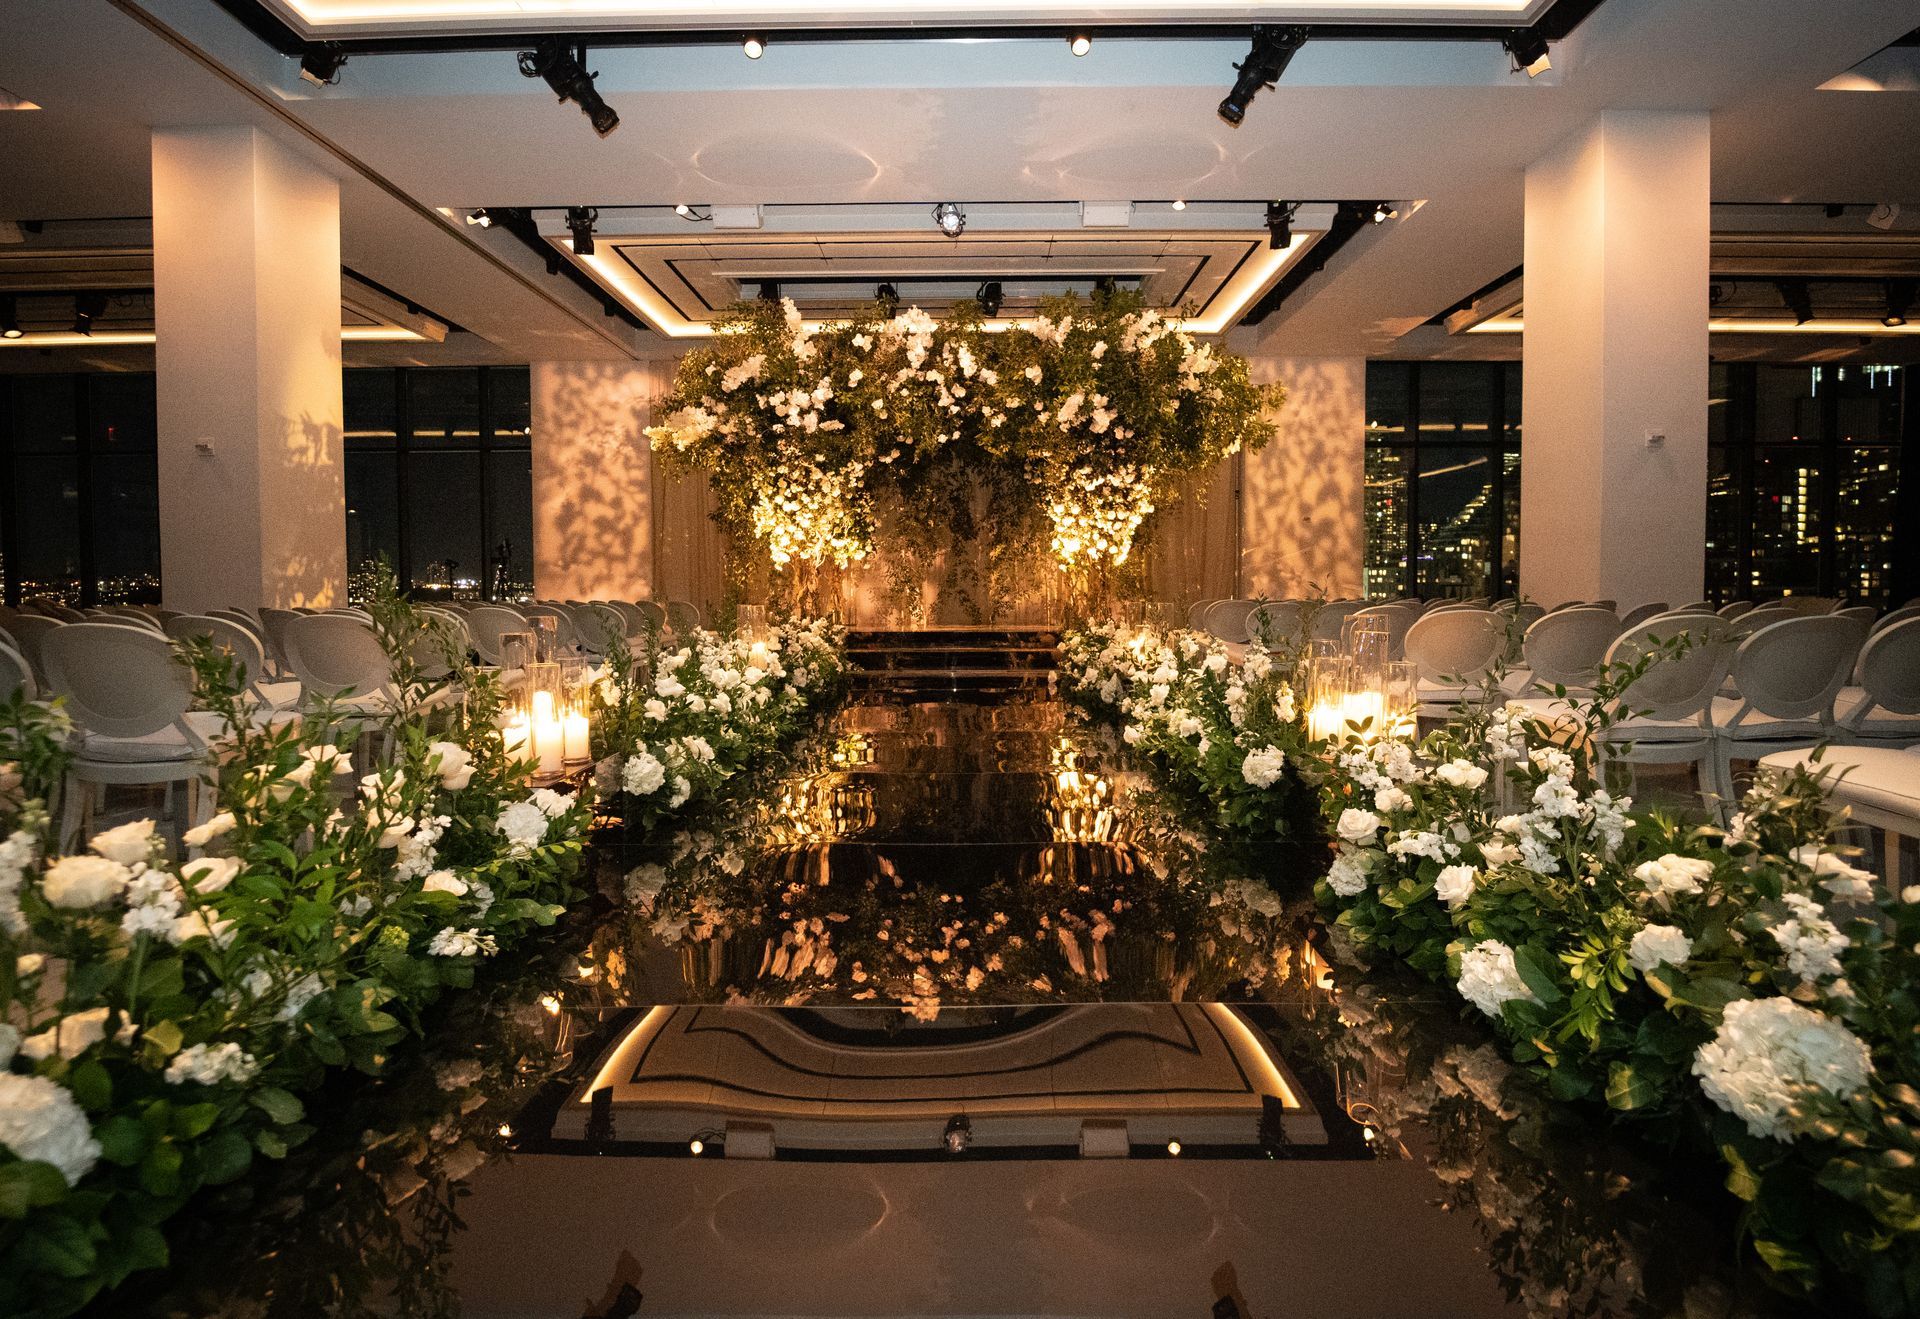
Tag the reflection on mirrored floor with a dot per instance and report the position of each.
(1133, 1086)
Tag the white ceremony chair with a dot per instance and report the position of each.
(565, 632)
(1276, 622)
(1673, 702)
(338, 659)
(1879, 786)
(653, 611)
(1735, 608)
(1788, 675)
(1641, 613)
(1568, 646)
(247, 652)
(1884, 709)
(635, 616)
(1399, 618)
(16, 675)
(1228, 619)
(130, 700)
(1862, 613)
(600, 626)
(1197, 613)
(275, 622)
(487, 623)
(1900, 615)
(1454, 650)
(29, 631)
(683, 617)
(1332, 617)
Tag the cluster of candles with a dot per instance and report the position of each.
(549, 732)
(1355, 691)
(1334, 713)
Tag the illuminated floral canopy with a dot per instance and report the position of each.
(1079, 422)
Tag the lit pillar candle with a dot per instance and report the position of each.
(516, 735)
(574, 735)
(542, 706)
(549, 744)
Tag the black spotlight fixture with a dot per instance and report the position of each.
(320, 64)
(87, 308)
(1799, 299)
(580, 222)
(888, 297)
(951, 218)
(1899, 302)
(769, 290)
(1273, 49)
(9, 316)
(1382, 212)
(1280, 224)
(565, 69)
(958, 1137)
(480, 217)
(990, 297)
(1528, 50)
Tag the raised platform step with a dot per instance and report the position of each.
(954, 658)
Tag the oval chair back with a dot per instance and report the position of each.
(1639, 614)
(1331, 617)
(1676, 687)
(487, 623)
(29, 631)
(16, 675)
(1735, 608)
(1794, 668)
(227, 635)
(565, 632)
(275, 622)
(1889, 671)
(334, 656)
(119, 680)
(1400, 617)
(1197, 613)
(1568, 646)
(682, 616)
(652, 611)
(1230, 620)
(1276, 622)
(1900, 615)
(1457, 645)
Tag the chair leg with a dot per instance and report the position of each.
(1894, 843)
(72, 813)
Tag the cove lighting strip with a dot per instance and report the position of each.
(321, 16)
(1741, 326)
(124, 338)
(1253, 278)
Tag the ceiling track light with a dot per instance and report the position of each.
(564, 67)
(87, 308)
(1080, 43)
(580, 222)
(753, 47)
(9, 316)
(769, 290)
(888, 297)
(1798, 296)
(1900, 293)
(1382, 212)
(480, 217)
(990, 297)
(1273, 49)
(692, 214)
(320, 63)
(951, 218)
(1528, 50)
(1280, 224)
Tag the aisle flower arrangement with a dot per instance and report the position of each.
(1079, 420)
(674, 723)
(1743, 990)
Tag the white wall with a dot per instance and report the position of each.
(593, 479)
(1302, 523)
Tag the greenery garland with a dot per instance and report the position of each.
(1077, 423)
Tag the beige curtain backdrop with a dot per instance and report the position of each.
(1194, 552)
(689, 551)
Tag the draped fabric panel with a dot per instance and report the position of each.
(1194, 552)
(689, 550)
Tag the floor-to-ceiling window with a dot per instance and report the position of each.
(1813, 481)
(440, 479)
(79, 507)
(1442, 478)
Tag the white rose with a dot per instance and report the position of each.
(1461, 774)
(69, 1037)
(444, 881)
(210, 874)
(201, 835)
(1357, 826)
(454, 763)
(126, 844)
(84, 881)
(1656, 944)
(1673, 874)
(1454, 885)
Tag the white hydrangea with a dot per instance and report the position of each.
(1393, 797)
(16, 854)
(1461, 774)
(524, 824)
(1654, 945)
(643, 773)
(1262, 768)
(462, 943)
(1347, 877)
(41, 1123)
(1670, 875)
(1769, 1051)
(1424, 843)
(644, 884)
(1849, 883)
(212, 1064)
(1812, 943)
(1489, 978)
(1454, 885)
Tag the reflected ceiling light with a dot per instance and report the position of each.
(565, 69)
(951, 219)
(1080, 43)
(9, 317)
(1179, 205)
(990, 297)
(87, 307)
(696, 1147)
(321, 64)
(888, 297)
(580, 221)
(1273, 49)
(754, 47)
(1899, 302)
(480, 217)
(1529, 51)
(1279, 225)
(959, 1134)
(1173, 1148)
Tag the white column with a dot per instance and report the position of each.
(1302, 513)
(1617, 238)
(593, 479)
(246, 279)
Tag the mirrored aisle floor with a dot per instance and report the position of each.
(953, 1015)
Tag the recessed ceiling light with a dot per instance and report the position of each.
(754, 47)
(1179, 205)
(1080, 43)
